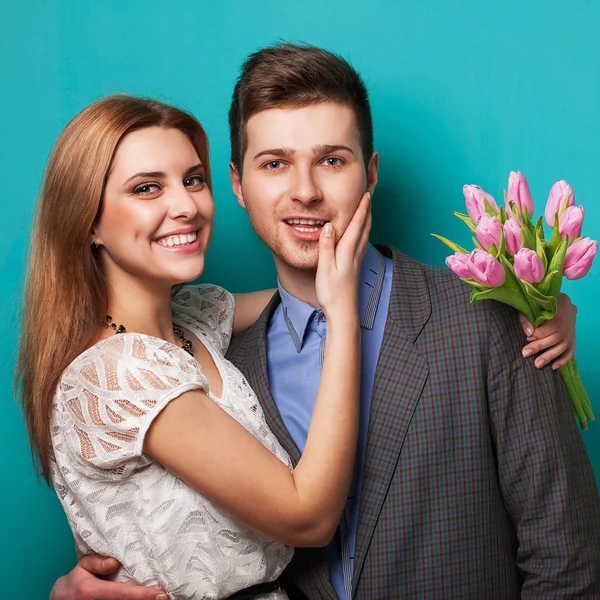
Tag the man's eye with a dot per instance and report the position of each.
(333, 161)
(146, 189)
(274, 164)
(194, 181)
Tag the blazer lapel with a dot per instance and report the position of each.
(399, 380)
(257, 374)
(312, 576)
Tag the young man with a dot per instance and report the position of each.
(471, 479)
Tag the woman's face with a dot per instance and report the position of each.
(157, 213)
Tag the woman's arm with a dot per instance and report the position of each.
(556, 336)
(248, 307)
(196, 440)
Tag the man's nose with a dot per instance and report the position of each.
(304, 187)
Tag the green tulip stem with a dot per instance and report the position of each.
(587, 405)
(566, 372)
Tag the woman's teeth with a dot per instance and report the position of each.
(306, 225)
(178, 240)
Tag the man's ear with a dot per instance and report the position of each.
(236, 184)
(372, 176)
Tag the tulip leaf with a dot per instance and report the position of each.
(488, 208)
(558, 259)
(466, 220)
(473, 283)
(497, 252)
(503, 217)
(528, 240)
(506, 296)
(512, 281)
(550, 285)
(555, 239)
(544, 316)
(539, 227)
(548, 303)
(477, 244)
(515, 209)
(540, 251)
(451, 245)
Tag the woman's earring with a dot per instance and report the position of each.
(95, 246)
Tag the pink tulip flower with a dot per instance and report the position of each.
(518, 192)
(529, 266)
(571, 222)
(458, 263)
(488, 231)
(485, 269)
(474, 196)
(579, 258)
(560, 190)
(513, 235)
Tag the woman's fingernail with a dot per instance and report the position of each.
(527, 352)
(327, 230)
(162, 597)
(555, 366)
(540, 362)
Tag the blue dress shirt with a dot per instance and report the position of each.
(295, 343)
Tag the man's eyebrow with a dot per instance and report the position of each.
(331, 148)
(281, 152)
(318, 149)
(161, 174)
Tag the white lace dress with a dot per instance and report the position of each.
(121, 503)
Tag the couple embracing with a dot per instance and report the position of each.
(360, 432)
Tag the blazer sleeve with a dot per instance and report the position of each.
(545, 475)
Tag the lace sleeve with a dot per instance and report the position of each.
(110, 395)
(211, 308)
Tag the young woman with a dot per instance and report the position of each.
(157, 447)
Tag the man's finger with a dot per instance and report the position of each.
(525, 324)
(125, 591)
(98, 564)
(548, 356)
(542, 344)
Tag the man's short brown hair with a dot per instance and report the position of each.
(293, 76)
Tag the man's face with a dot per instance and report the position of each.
(303, 167)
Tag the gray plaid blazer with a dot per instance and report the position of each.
(477, 484)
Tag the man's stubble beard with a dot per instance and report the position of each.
(301, 254)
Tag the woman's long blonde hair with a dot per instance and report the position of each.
(65, 294)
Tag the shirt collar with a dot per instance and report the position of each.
(297, 314)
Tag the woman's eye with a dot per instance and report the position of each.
(194, 181)
(333, 161)
(146, 189)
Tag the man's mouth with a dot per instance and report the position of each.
(306, 225)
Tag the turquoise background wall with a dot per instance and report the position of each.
(462, 91)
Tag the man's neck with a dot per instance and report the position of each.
(300, 283)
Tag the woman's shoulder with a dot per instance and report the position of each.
(208, 308)
(204, 297)
(133, 361)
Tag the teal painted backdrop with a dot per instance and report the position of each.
(463, 91)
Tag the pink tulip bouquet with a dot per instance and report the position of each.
(515, 264)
